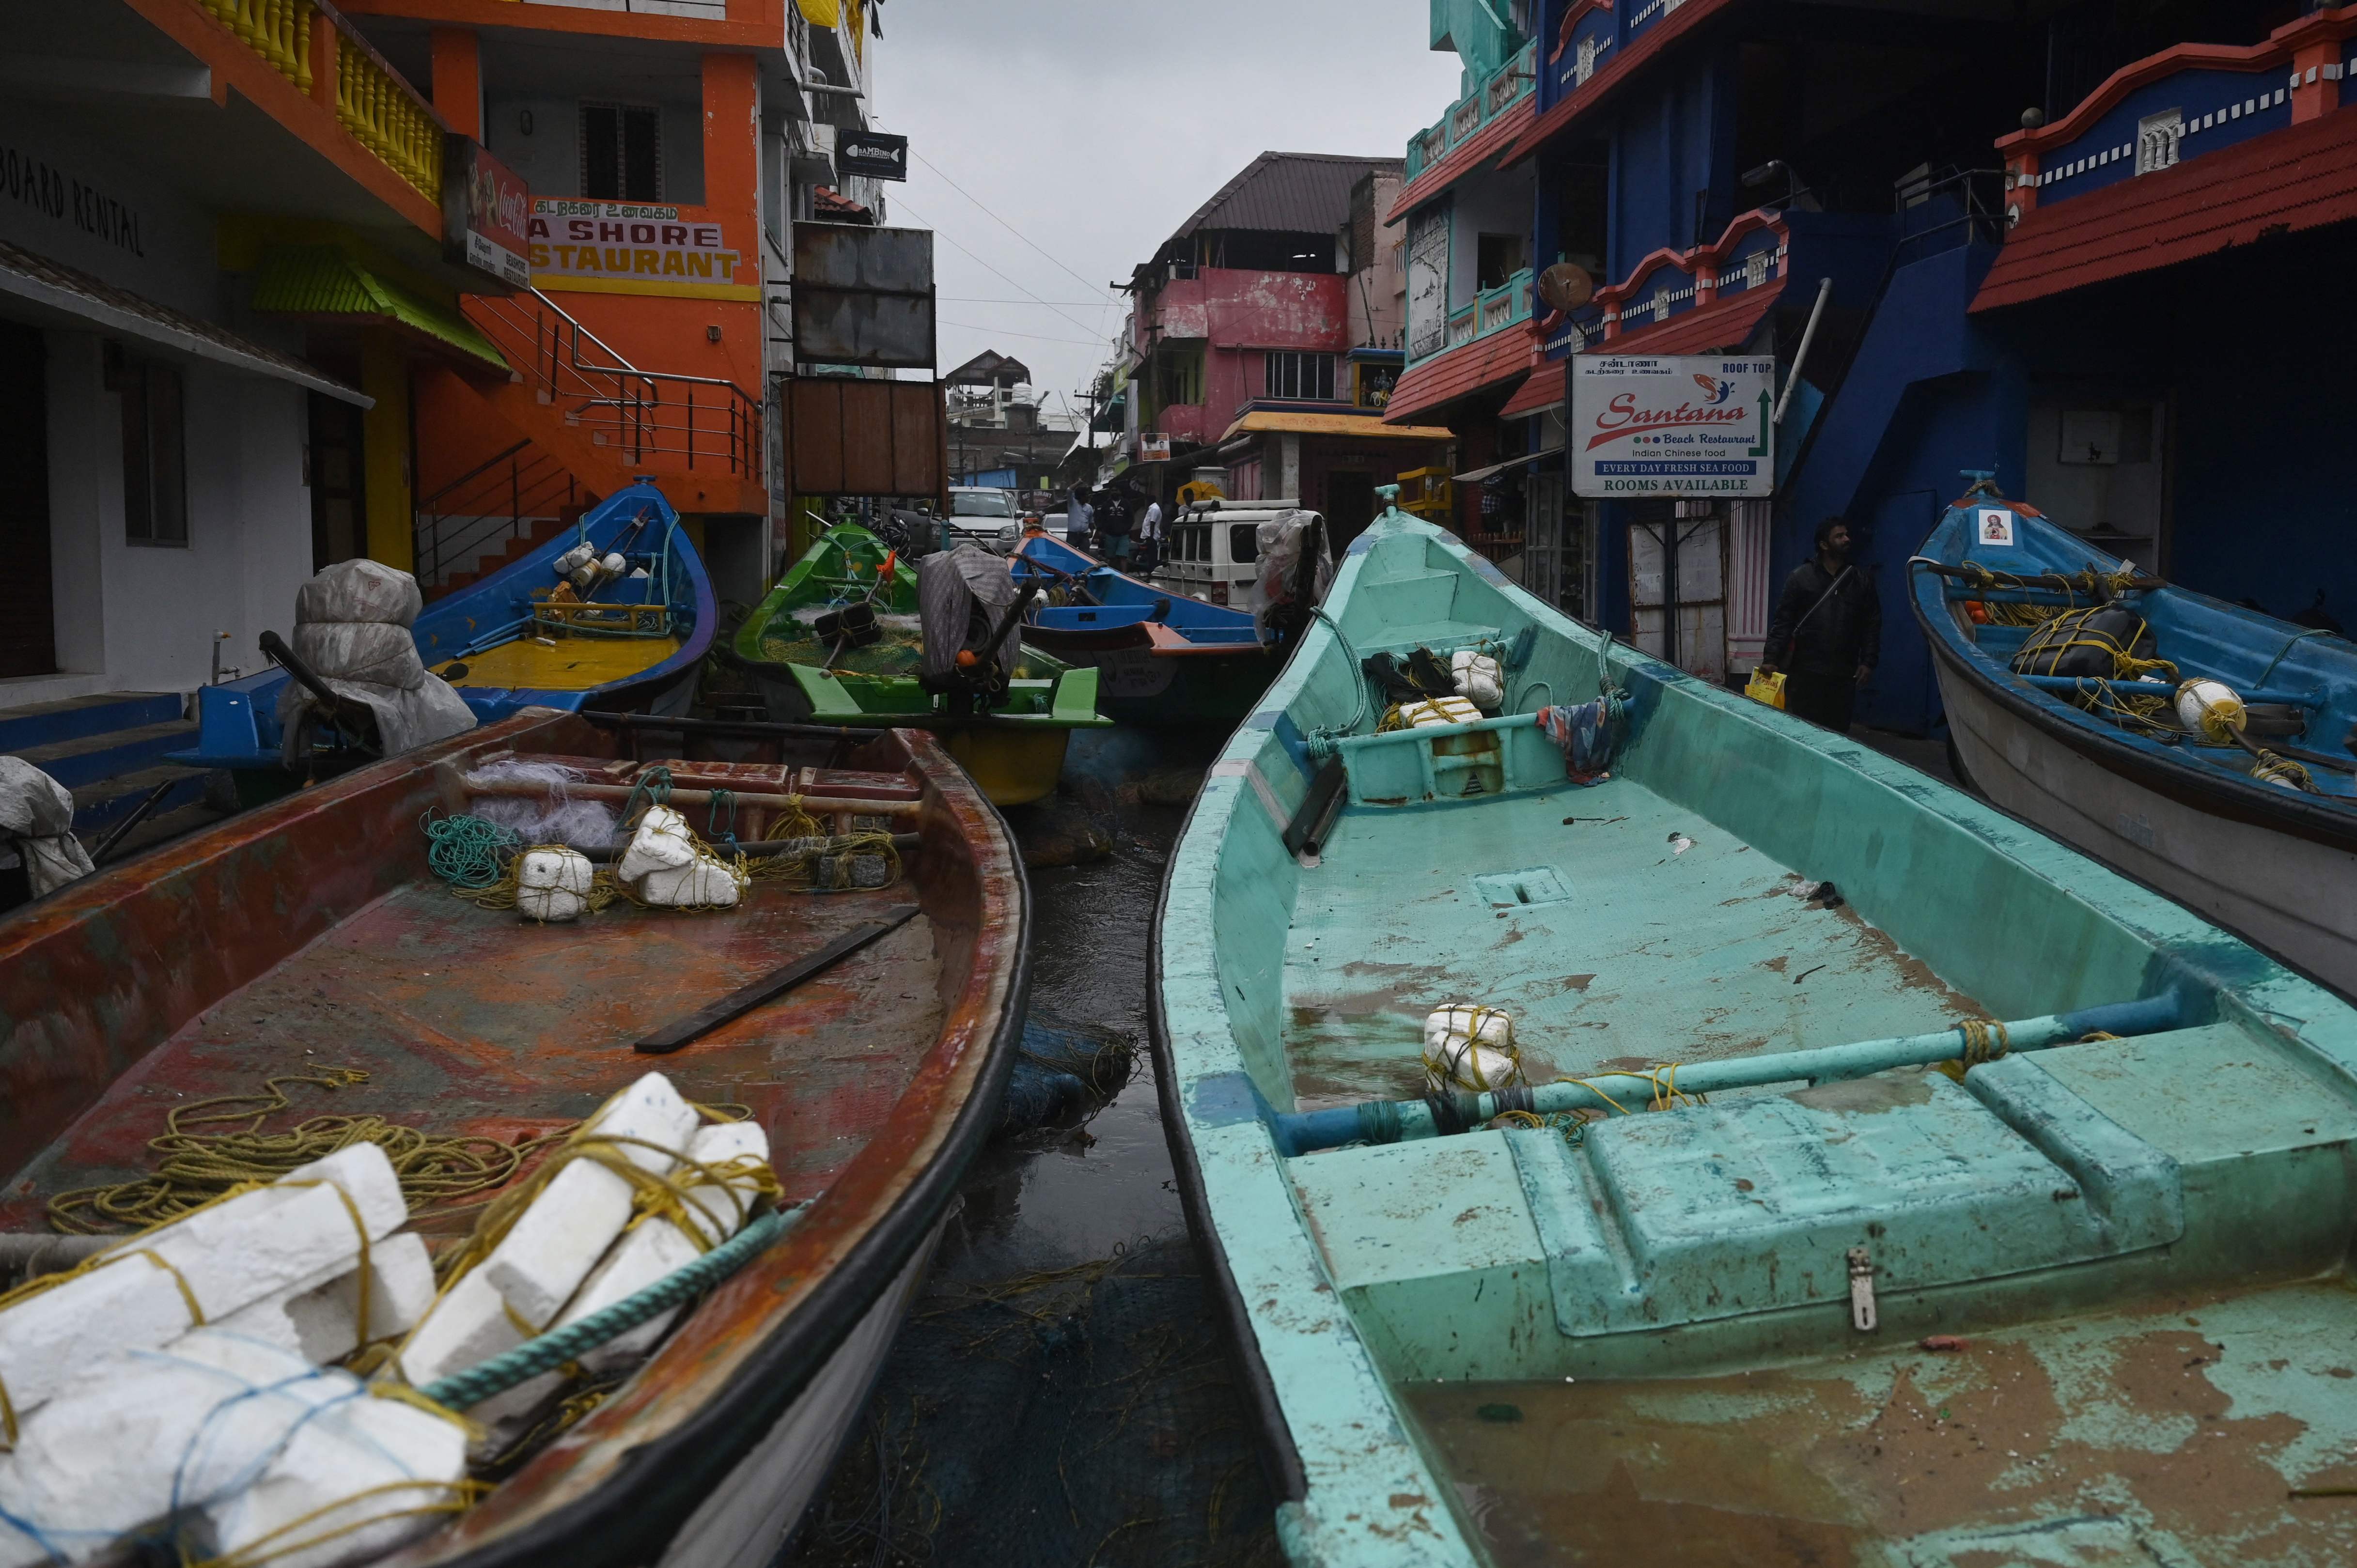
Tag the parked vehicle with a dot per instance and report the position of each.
(1719, 1254)
(2107, 762)
(1211, 551)
(986, 517)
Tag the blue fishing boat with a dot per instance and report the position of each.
(1637, 1125)
(519, 637)
(2197, 745)
(1162, 658)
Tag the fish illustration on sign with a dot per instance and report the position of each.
(1714, 390)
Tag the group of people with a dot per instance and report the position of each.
(1119, 523)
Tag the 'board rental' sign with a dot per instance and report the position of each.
(629, 248)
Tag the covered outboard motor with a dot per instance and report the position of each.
(352, 632)
(1295, 569)
(970, 614)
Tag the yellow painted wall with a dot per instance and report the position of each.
(384, 376)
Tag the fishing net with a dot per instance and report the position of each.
(793, 639)
(1118, 1436)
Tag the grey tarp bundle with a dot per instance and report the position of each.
(961, 593)
(37, 814)
(351, 627)
(1280, 540)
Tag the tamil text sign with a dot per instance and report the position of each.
(485, 213)
(1690, 424)
(626, 247)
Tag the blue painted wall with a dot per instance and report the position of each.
(1666, 146)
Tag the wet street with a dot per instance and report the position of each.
(1061, 1394)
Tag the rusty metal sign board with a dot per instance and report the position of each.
(864, 295)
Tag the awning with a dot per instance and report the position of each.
(1539, 394)
(320, 283)
(2302, 176)
(1726, 322)
(1483, 365)
(1525, 461)
(53, 292)
(1361, 427)
(1477, 152)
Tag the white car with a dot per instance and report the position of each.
(1211, 551)
(987, 518)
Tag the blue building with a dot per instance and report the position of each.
(2089, 246)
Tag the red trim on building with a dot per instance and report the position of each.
(1571, 20)
(1468, 368)
(2303, 176)
(1468, 157)
(1723, 323)
(1634, 57)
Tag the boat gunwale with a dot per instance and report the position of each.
(602, 1495)
(2214, 791)
(2249, 998)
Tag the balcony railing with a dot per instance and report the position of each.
(318, 51)
(1490, 99)
(1491, 310)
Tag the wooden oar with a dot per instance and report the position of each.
(457, 786)
(671, 1037)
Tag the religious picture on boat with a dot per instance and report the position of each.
(1685, 424)
(1996, 526)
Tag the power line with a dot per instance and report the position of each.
(1003, 332)
(1003, 223)
(994, 271)
(970, 299)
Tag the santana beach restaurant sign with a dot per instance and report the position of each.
(1688, 425)
(628, 247)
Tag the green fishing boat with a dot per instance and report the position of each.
(1861, 1176)
(837, 641)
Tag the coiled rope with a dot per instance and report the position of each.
(469, 851)
(195, 1169)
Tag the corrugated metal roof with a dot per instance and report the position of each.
(1290, 193)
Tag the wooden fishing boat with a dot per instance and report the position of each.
(1161, 657)
(309, 934)
(506, 643)
(1810, 1300)
(2201, 821)
(809, 673)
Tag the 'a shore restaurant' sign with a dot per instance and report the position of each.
(628, 247)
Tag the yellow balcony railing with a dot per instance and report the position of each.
(383, 113)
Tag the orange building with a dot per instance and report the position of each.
(668, 148)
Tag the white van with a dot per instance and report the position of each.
(1211, 551)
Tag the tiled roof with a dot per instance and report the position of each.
(827, 199)
(1461, 371)
(317, 281)
(32, 276)
(2300, 177)
(1543, 391)
(1291, 193)
(1478, 151)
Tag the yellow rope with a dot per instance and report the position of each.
(271, 1545)
(1984, 1041)
(800, 869)
(1461, 1068)
(196, 1169)
(2269, 769)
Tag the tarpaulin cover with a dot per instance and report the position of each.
(963, 594)
(351, 627)
(37, 812)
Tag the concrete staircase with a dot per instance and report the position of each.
(537, 532)
(109, 750)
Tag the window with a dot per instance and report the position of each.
(155, 454)
(1497, 257)
(1182, 379)
(621, 152)
(1243, 543)
(1306, 377)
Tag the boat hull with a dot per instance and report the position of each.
(2288, 894)
(737, 1412)
(1141, 683)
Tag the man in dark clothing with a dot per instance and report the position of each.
(1826, 633)
(1112, 524)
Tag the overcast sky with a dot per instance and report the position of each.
(1094, 127)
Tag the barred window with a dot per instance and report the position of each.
(1304, 377)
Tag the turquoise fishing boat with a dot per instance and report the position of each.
(1881, 1181)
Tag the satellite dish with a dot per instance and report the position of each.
(1566, 286)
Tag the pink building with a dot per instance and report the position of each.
(1264, 340)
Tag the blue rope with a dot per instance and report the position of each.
(712, 828)
(553, 1350)
(470, 852)
(655, 785)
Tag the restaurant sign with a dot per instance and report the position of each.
(1684, 425)
(486, 210)
(626, 247)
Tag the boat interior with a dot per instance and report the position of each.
(467, 1020)
(2300, 682)
(1646, 1321)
